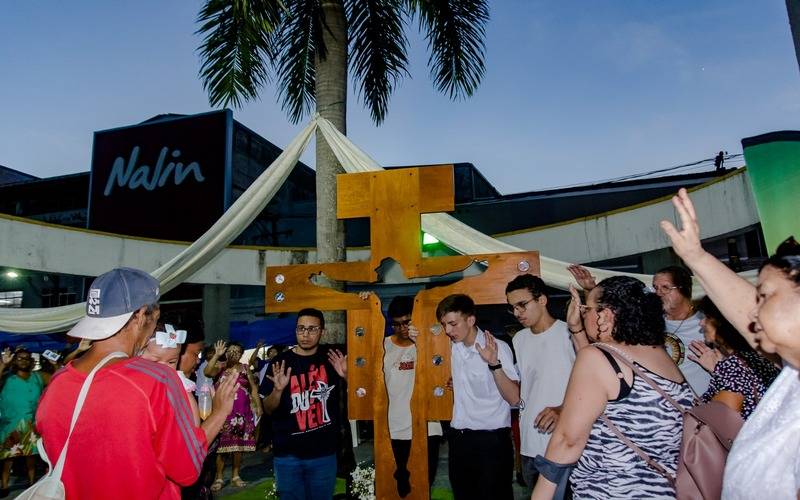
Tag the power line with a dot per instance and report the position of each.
(707, 162)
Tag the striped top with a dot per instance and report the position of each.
(608, 468)
(134, 438)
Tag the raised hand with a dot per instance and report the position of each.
(339, 362)
(489, 351)
(224, 396)
(547, 419)
(279, 377)
(219, 348)
(574, 318)
(7, 356)
(685, 241)
(705, 356)
(582, 276)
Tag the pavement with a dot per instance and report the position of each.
(257, 469)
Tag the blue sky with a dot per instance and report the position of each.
(574, 92)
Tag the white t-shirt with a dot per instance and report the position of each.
(686, 331)
(399, 364)
(545, 362)
(478, 404)
(764, 461)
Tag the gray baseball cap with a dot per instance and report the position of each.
(112, 300)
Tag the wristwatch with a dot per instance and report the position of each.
(496, 367)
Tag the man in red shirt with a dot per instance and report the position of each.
(135, 436)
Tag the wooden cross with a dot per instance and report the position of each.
(394, 201)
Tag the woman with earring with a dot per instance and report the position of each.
(626, 322)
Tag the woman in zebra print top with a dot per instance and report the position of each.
(627, 318)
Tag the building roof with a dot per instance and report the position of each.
(11, 176)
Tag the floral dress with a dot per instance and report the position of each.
(746, 373)
(18, 401)
(238, 433)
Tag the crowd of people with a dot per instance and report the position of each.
(601, 395)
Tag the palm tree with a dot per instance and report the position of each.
(307, 46)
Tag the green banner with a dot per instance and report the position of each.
(773, 165)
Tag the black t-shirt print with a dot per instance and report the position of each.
(306, 422)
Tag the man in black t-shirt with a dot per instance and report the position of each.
(302, 398)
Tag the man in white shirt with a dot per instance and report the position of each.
(485, 384)
(545, 351)
(674, 285)
(399, 364)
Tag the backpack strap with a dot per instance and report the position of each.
(616, 430)
(59, 468)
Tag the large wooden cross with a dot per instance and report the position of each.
(394, 201)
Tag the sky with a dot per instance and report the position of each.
(574, 91)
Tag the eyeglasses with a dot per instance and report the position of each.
(520, 306)
(399, 325)
(308, 330)
(664, 288)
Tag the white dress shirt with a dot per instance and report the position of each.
(478, 404)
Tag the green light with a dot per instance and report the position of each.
(428, 239)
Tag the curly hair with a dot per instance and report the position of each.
(529, 282)
(638, 314)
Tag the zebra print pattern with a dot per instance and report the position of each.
(610, 469)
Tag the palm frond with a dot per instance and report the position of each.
(237, 47)
(455, 32)
(378, 56)
(299, 39)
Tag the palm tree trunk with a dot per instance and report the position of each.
(331, 99)
(793, 9)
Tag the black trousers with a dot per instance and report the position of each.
(402, 450)
(481, 464)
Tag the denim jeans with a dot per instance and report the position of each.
(305, 478)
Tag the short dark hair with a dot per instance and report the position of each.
(401, 305)
(458, 302)
(638, 314)
(529, 282)
(314, 313)
(681, 278)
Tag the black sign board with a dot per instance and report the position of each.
(166, 179)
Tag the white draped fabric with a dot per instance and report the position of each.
(450, 231)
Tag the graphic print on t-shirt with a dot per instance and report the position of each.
(406, 362)
(309, 394)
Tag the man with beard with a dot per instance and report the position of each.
(545, 350)
(673, 285)
(302, 397)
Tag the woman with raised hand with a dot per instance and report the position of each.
(764, 461)
(605, 399)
